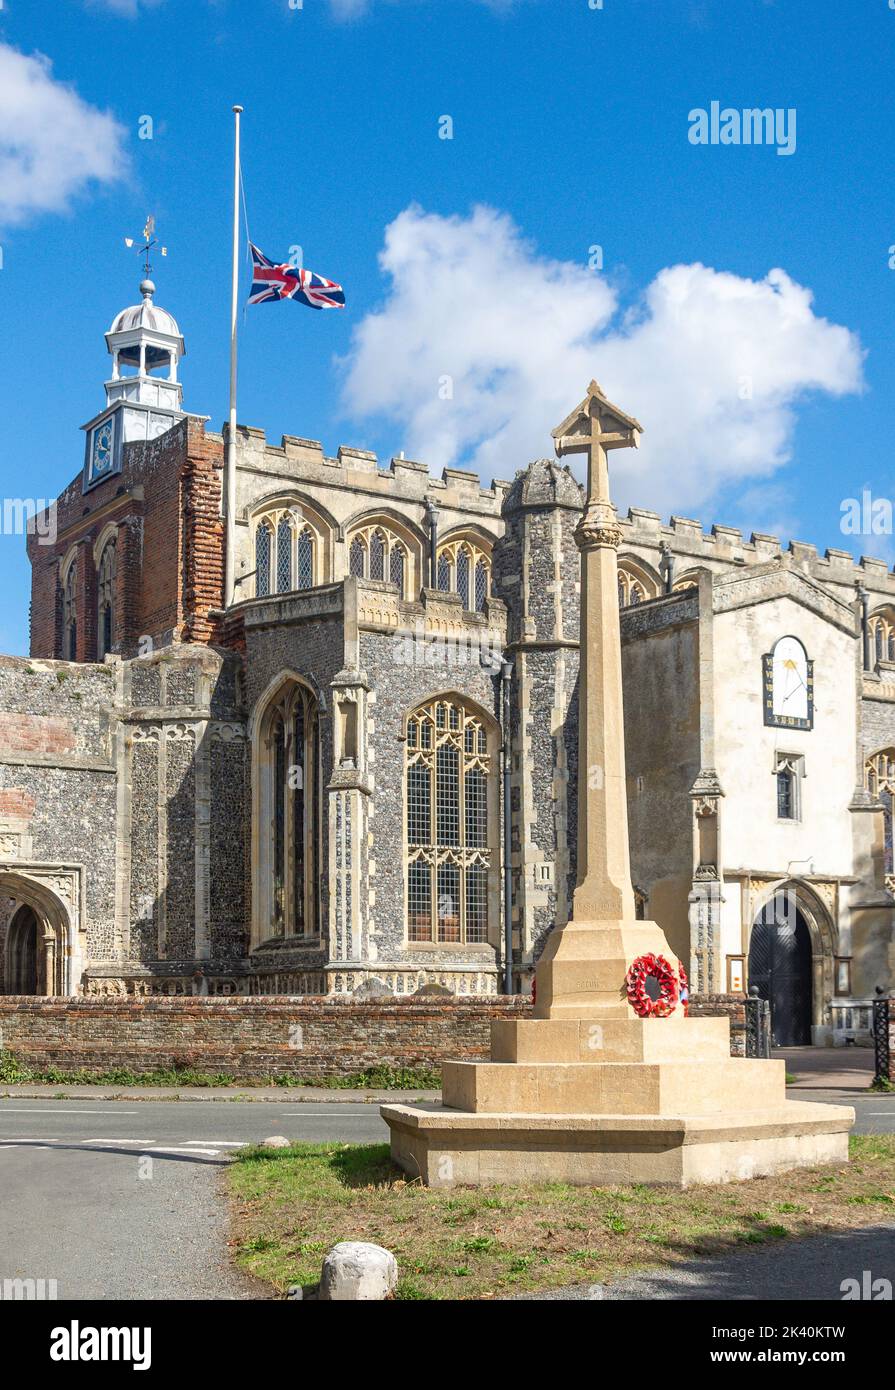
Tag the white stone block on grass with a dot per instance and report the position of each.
(354, 1270)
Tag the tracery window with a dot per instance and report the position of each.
(879, 779)
(69, 614)
(286, 554)
(375, 552)
(882, 635)
(464, 568)
(289, 813)
(105, 581)
(451, 807)
(631, 589)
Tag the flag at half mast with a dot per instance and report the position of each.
(272, 282)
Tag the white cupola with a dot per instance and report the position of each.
(144, 398)
(146, 346)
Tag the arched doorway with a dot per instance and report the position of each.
(781, 968)
(23, 952)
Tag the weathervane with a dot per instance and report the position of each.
(149, 240)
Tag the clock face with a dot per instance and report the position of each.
(103, 442)
(103, 453)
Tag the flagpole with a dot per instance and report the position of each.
(230, 464)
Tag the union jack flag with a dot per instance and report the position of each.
(271, 282)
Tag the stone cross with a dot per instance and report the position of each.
(603, 892)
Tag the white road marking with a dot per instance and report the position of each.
(110, 1140)
(343, 1115)
(15, 1110)
(181, 1149)
(221, 1143)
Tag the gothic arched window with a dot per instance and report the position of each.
(288, 791)
(632, 588)
(882, 634)
(464, 568)
(105, 583)
(288, 552)
(69, 614)
(451, 808)
(375, 552)
(879, 779)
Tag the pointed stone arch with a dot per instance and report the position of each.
(823, 932)
(52, 894)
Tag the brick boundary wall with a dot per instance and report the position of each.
(309, 1038)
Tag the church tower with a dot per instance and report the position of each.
(537, 575)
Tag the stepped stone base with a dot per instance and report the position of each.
(588, 1092)
(448, 1148)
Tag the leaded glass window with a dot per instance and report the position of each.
(463, 576)
(464, 568)
(305, 556)
(263, 548)
(481, 586)
(284, 556)
(397, 567)
(785, 799)
(632, 589)
(375, 552)
(882, 634)
(879, 778)
(451, 803)
(357, 557)
(377, 556)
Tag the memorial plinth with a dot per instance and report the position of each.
(609, 1082)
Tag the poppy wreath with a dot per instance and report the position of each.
(658, 968)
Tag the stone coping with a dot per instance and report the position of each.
(793, 1117)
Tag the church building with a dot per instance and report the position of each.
(360, 776)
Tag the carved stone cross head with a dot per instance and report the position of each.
(593, 428)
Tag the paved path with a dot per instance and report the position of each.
(828, 1068)
(792, 1269)
(79, 1203)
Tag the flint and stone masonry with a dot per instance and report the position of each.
(303, 795)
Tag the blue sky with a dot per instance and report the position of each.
(570, 131)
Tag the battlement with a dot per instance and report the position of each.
(403, 480)
(724, 547)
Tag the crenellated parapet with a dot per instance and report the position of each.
(721, 549)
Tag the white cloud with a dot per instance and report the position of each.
(52, 143)
(520, 337)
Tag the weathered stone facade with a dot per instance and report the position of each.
(223, 801)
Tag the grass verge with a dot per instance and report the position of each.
(13, 1072)
(291, 1205)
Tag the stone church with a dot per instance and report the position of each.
(361, 774)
